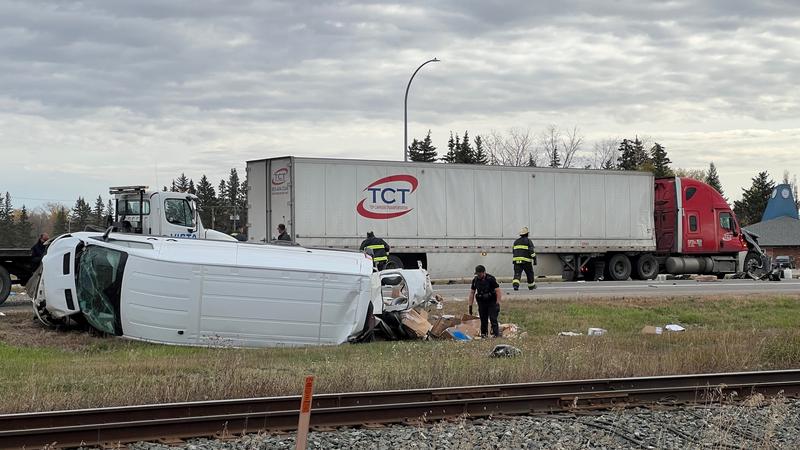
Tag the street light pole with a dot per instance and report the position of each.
(405, 108)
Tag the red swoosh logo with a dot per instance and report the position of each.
(373, 215)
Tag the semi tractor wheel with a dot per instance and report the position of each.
(646, 267)
(619, 267)
(5, 284)
(754, 265)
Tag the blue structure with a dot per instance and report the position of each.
(781, 204)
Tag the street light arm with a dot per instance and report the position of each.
(405, 107)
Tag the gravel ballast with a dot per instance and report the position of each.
(754, 424)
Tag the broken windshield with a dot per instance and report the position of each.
(99, 285)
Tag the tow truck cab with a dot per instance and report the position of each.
(159, 213)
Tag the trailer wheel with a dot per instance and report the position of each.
(394, 262)
(754, 265)
(646, 267)
(619, 267)
(5, 284)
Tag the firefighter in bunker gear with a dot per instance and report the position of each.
(523, 258)
(380, 250)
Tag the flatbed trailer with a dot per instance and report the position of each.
(17, 262)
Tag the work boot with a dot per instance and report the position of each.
(516, 288)
(531, 287)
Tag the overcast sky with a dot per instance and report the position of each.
(113, 92)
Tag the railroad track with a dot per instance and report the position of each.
(168, 422)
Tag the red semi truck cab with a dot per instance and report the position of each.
(692, 218)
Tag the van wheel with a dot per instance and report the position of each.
(646, 267)
(394, 262)
(5, 284)
(619, 267)
(754, 266)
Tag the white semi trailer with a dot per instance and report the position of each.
(452, 216)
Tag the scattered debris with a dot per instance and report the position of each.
(569, 333)
(649, 329)
(505, 351)
(417, 321)
(674, 327)
(704, 278)
(596, 332)
(509, 330)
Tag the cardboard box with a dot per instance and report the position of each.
(443, 323)
(417, 322)
(471, 328)
(649, 329)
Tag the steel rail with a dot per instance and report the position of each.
(194, 419)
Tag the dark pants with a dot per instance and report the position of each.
(489, 312)
(381, 265)
(528, 268)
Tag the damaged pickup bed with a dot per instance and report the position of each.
(215, 293)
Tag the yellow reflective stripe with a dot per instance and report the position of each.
(515, 281)
(522, 259)
(380, 258)
(533, 254)
(520, 247)
(375, 247)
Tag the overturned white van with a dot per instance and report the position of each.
(195, 292)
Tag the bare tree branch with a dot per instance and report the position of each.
(571, 143)
(604, 153)
(516, 149)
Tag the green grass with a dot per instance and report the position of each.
(44, 369)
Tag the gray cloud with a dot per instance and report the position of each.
(103, 88)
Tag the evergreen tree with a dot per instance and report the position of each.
(465, 153)
(427, 150)
(174, 188)
(243, 204)
(6, 222)
(627, 156)
(232, 201)
(110, 209)
(207, 199)
(23, 229)
(414, 150)
(181, 184)
(640, 154)
(608, 164)
(450, 157)
(712, 179)
(191, 190)
(480, 154)
(60, 221)
(98, 213)
(81, 215)
(555, 160)
(531, 160)
(754, 200)
(661, 161)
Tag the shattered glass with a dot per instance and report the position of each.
(98, 284)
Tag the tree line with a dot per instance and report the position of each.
(223, 208)
(557, 148)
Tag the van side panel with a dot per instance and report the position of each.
(159, 301)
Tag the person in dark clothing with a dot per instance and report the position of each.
(38, 250)
(523, 258)
(488, 294)
(380, 250)
(282, 234)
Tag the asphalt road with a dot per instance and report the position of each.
(635, 288)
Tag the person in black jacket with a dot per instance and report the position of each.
(523, 257)
(38, 250)
(380, 250)
(282, 234)
(487, 292)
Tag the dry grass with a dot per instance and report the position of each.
(45, 370)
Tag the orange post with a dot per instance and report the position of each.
(305, 414)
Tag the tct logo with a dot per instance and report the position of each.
(388, 197)
(279, 176)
